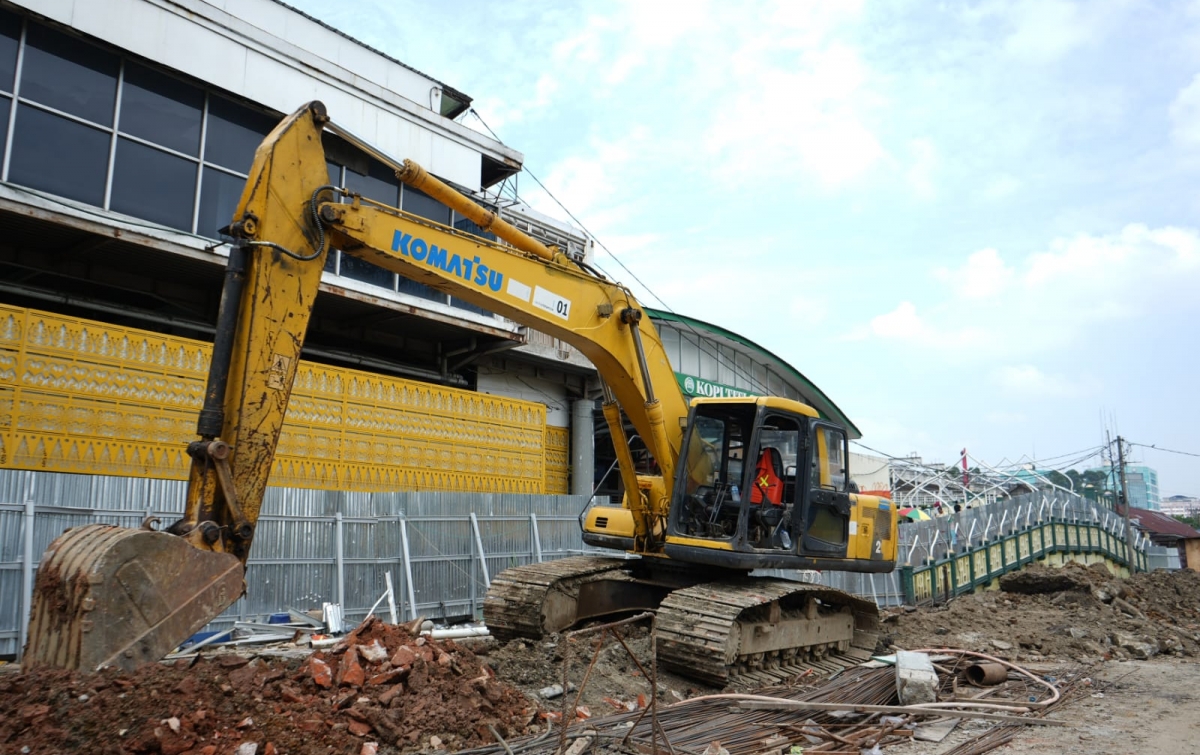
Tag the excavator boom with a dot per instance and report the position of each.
(109, 596)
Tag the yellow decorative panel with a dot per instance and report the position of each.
(558, 464)
(87, 397)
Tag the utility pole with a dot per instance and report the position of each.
(1125, 497)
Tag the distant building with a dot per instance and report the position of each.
(1181, 505)
(1168, 532)
(1143, 487)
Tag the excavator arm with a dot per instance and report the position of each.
(111, 596)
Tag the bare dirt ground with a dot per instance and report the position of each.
(385, 691)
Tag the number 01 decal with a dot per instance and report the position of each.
(551, 302)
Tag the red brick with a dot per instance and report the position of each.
(350, 671)
(321, 673)
(403, 657)
(359, 729)
(387, 677)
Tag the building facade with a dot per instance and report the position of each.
(128, 134)
(1143, 487)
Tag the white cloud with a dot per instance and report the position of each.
(983, 276)
(1185, 114)
(806, 116)
(901, 324)
(1046, 30)
(1049, 300)
(1028, 381)
(1006, 418)
(1001, 186)
(924, 165)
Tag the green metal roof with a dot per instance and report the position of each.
(811, 394)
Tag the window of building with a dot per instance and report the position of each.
(10, 40)
(234, 132)
(86, 123)
(219, 195)
(379, 183)
(58, 155)
(161, 109)
(419, 203)
(153, 184)
(670, 342)
(67, 74)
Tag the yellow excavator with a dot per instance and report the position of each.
(740, 484)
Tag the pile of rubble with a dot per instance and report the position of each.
(380, 685)
(1074, 612)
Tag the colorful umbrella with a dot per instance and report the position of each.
(913, 514)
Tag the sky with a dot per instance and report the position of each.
(972, 224)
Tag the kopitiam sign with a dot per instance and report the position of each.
(694, 386)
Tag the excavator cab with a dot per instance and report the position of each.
(764, 483)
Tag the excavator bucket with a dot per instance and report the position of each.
(109, 596)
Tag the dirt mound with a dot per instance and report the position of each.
(380, 684)
(1076, 612)
(1038, 579)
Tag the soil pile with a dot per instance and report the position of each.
(1075, 612)
(379, 685)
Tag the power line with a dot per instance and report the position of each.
(737, 370)
(1165, 450)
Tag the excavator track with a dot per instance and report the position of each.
(539, 599)
(763, 631)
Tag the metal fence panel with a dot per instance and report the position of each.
(297, 562)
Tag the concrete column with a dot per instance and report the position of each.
(583, 456)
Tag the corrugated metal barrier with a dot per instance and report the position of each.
(311, 546)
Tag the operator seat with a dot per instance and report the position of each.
(768, 482)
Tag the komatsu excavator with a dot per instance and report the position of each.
(742, 483)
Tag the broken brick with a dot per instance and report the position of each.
(387, 677)
(359, 728)
(372, 653)
(231, 661)
(321, 673)
(244, 678)
(350, 671)
(389, 694)
(403, 657)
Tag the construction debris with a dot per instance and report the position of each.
(1083, 613)
(335, 700)
(916, 681)
(389, 690)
